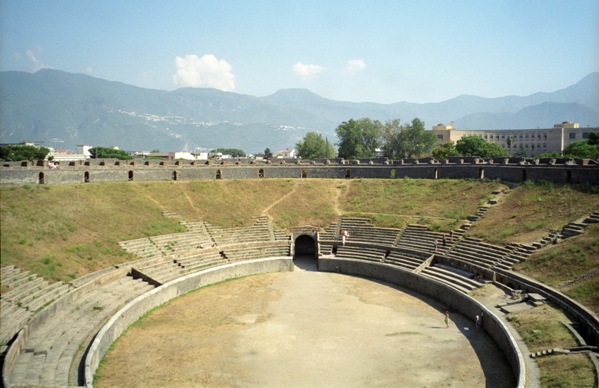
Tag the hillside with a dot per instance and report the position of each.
(62, 110)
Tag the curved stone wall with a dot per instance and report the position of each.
(454, 300)
(135, 309)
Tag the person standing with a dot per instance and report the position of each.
(446, 319)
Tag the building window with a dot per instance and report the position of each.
(585, 135)
(503, 136)
(440, 137)
(572, 135)
(520, 136)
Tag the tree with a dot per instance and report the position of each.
(359, 138)
(495, 150)
(593, 138)
(445, 150)
(234, 152)
(18, 152)
(475, 146)
(314, 146)
(409, 140)
(582, 150)
(108, 153)
(267, 153)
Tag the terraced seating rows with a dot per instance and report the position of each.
(142, 247)
(23, 294)
(52, 353)
(361, 229)
(256, 250)
(454, 277)
(179, 242)
(405, 260)
(260, 231)
(361, 253)
(199, 260)
(327, 238)
(477, 252)
(418, 237)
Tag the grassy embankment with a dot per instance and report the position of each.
(65, 231)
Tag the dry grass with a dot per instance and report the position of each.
(531, 210)
(441, 204)
(571, 266)
(541, 329)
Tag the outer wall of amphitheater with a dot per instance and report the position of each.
(115, 172)
(455, 301)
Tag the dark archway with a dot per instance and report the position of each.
(41, 179)
(130, 175)
(175, 175)
(305, 246)
(261, 173)
(218, 174)
(86, 177)
(305, 254)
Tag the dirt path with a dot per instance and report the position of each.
(303, 329)
(340, 192)
(275, 203)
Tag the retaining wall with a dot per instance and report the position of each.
(586, 318)
(135, 309)
(455, 300)
(33, 174)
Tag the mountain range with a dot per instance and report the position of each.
(61, 110)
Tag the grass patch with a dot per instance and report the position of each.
(532, 209)
(541, 329)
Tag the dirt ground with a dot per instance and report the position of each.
(303, 329)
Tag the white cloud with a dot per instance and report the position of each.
(205, 71)
(306, 71)
(32, 55)
(354, 66)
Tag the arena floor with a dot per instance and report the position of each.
(303, 329)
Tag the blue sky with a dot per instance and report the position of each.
(379, 51)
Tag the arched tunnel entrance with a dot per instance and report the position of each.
(305, 248)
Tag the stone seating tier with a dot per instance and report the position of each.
(404, 260)
(418, 236)
(255, 251)
(162, 272)
(447, 278)
(361, 253)
(202, 262)
(51, 353)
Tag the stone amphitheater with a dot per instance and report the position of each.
(41, 351)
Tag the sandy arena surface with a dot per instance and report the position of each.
(303, 329)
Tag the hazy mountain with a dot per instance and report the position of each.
(63, 109)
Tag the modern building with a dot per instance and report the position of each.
(523, 142)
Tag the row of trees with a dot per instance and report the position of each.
(364, 138)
